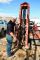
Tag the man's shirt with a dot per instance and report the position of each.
(10, 27)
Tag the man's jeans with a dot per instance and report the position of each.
(9, 44)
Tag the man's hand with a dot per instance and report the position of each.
(11, 34)
(14, 37)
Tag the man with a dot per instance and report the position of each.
(9, 35)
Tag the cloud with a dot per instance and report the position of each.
(5, 1)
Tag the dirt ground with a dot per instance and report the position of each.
(20, 54)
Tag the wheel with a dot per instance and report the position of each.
(2, 32)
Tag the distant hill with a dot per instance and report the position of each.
(6, 18)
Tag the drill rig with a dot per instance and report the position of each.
(24, 23)
(25, 30)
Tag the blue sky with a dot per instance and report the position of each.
(12, 7)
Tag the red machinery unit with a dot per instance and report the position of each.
(24, 19)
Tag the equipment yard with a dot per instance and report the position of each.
(22, 40)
